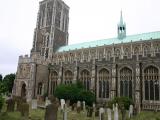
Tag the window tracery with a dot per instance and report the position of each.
(126, 82)
(86, 79)
(151, 82)
(54, 79)
(103, 83)
(68, 77)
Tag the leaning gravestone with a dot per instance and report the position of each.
(51, 110)
(10, 105)
(34, 104)
(101, 113)
(109, 114)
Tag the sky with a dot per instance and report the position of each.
(88, 20)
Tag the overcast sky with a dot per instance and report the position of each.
(89, 20)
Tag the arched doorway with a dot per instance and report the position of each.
(23, 90)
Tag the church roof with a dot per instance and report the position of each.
(127, 39)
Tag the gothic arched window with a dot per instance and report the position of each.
(151, 82)
(68, 77)
(126, 82)
(103, 83)
(54, 79)
(86, 79)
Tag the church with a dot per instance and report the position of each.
(120, 66)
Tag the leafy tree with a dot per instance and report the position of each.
(87, 96)
(123, 104)
(2, 88)
(1, 102)
(74, 92)
(1, 78)
(8, 82)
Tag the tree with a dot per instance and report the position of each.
(8, 82)
(1, 77)
(87, 96)
(123, 104)
(74, 92)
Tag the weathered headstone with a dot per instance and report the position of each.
(109, 113)
(65, 112)
(78, 106)
(101, 113)
(130, 111)
(34, 104)
(51, 110)
(62, 103)
(25, 110)
(47, 101)
(113, 107)
(10, 105)
(84, 106)
(116, 112)
(94, 110)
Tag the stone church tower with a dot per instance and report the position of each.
(51, 32)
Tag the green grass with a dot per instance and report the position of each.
(72, 115)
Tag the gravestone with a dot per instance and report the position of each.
(89, 111)
(34, 104)
(84, 106)
(68, 103)
(113, 107)
(47, 101)
(109, 113)
(130, 111)
(25, 110)
(94, 110)
(116, 112)
(62, 103)
(65, 112)
(78, 107)
(101, 113)
(74, 106)
(51, 109)
(10, 105)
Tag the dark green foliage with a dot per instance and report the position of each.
(1, 78)
(1, 102)
(2, 88)
(10, 105)
(8, 82)
(74, 92)
(123, 104)
(87, 96)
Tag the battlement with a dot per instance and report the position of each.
(24, 59)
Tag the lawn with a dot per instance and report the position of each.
(72, 115)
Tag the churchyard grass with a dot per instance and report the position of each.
(38, 114)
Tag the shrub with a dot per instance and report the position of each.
(74, 92)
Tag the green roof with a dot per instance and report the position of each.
(133, 38)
